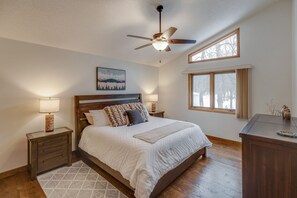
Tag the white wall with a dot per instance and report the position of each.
(29, 71)
(294, 58)
(265, 44)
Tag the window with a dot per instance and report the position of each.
(227, 46)
(214, 91)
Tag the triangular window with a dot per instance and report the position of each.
(225, 47)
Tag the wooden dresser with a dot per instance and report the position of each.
(269, 161)
(47, 150)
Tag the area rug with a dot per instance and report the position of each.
(77, 181)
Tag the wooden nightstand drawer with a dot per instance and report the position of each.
(52, 154)
(49, 150)
(51, 161)
(54, 141)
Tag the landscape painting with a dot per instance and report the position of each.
(111, 79)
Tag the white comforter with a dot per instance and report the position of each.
(142, 163)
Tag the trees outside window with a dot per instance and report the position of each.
(227, 46)
(214, 91)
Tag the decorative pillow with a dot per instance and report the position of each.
(139, 106)
(89, 118)
(126, 108)
(99, 117)
(116, 115)
(134, 117)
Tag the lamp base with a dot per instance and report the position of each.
(49, 123)
(153, 106)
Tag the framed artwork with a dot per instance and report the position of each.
(111, 79)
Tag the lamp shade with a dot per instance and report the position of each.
(153, 98)
(49, 105)
(160, 44)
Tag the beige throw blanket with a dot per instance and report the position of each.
(154, 135)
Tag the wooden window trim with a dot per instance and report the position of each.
(237, 32)
(211, 108)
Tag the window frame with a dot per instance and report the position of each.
(212, 93)
(235, 32)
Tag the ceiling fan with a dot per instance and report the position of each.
(161, 40)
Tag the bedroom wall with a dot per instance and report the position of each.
(266, 44)
(294, 59)
(29, 72)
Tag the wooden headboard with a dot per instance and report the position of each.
(84, 103)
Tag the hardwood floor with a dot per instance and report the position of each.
(20, 185)
(217, 175)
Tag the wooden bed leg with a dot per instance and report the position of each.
(204, 153)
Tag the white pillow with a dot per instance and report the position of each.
(89, 118)
(99, 117)
(146, 111)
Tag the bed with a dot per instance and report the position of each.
(145, 168)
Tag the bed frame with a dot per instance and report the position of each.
(84, 103)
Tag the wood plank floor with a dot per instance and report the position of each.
(216, 176)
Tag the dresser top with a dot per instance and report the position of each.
(266, 126)
(43, 134)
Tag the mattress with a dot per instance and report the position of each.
(140, 162)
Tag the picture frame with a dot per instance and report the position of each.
(109, 79)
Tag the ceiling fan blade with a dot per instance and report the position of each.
(140, 37)
(168, 33)
(146, 45)
(181, 41)
(167, 49)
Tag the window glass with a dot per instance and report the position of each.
(201, 90)
(225, 91)
(225, 47)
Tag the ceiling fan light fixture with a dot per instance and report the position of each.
(160, 45)
(161, 39)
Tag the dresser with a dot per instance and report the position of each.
(269, 161)
(48, 150)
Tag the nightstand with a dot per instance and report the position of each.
(157, 113)
(48, 150)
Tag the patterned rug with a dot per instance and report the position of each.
(79, 181)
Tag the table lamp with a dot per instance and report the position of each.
(154, 99)
(49, 105)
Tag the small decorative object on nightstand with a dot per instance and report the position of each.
(49, 150)
(49, 105)
(154, 99)
(157, 113)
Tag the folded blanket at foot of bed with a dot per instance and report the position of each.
(154, 135)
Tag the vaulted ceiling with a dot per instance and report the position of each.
(100, 26)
